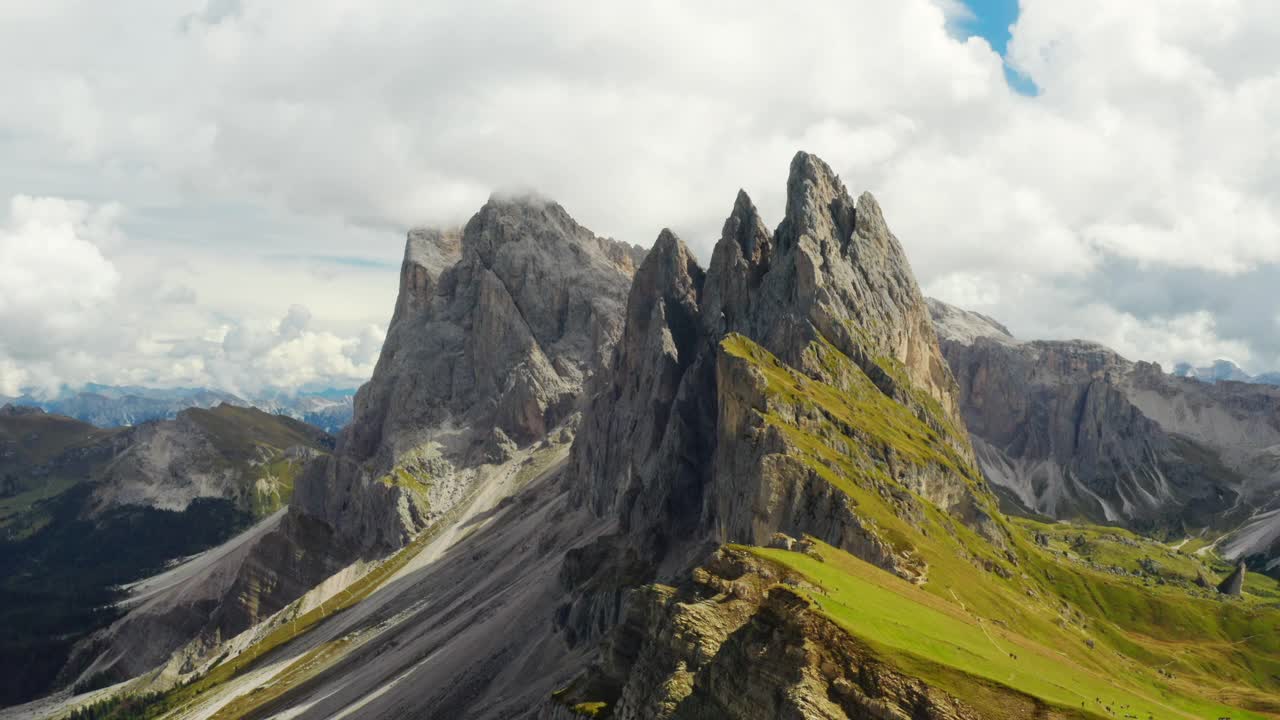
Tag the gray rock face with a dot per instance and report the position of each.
(1072, 429)
(1234, 583)
(733, 642)
(674, 441)
(489, 350)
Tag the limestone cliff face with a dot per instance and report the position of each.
(1072, 429)
(482, 355)
(696, 433)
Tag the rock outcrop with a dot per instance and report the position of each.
(735, 641)
(1234, 583)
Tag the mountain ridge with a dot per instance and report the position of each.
(1074, 430)
(127, 405)
(761, 502)
(85, 510)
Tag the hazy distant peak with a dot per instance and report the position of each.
(1220, 370)
(965, 326)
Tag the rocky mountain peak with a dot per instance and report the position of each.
(498, 343)
(626, 418)
(747, 230)
(676, 442)
(840, 273)
(542, 225)
(738, 265)
(818, 205)
(669, 277)
(427, 253)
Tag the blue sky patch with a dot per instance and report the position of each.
(991, 20)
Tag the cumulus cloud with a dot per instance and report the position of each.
(70, 314)
(52, 276)
(329, 127)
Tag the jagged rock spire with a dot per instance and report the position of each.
(662, 442)
(738, 265)
(1234, 584)
(629, 410)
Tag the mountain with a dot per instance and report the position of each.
(329, 409)
(109, 406)
(1072, 430)
(86, 509)
(745, 491)
(118, 406)
(1221, 369)
(1224, 370)
(478, 378)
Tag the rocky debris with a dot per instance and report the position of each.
(738, 641)
(1233, 585)
(498, 448)
(781, 541)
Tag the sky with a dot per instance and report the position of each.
(216, 192)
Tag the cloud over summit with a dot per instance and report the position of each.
(324, 129)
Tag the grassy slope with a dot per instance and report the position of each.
(1051, 603)
(40, 440)
(59, 570)
(236, 431)
(244, 436)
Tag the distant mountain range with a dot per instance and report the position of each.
(85, 510)
(1071, 430)
(1223, 369)
(126, 405)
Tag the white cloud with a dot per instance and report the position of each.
(69, 314)
(52, 276)
(339, 124)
